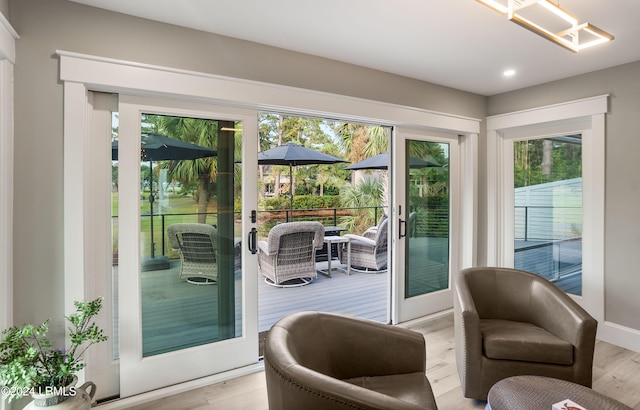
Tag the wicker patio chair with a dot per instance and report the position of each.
(369, 250)
(290, 253)
(198, 245)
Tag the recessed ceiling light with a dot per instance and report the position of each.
(509, 73)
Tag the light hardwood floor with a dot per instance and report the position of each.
(616, 373)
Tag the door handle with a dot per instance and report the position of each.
(253, 241)
(402, 232)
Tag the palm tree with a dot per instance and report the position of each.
(360, 142)
(365, 195)
(197, 131)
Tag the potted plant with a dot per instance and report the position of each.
(29, 364)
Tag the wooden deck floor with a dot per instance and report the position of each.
(360, 294)
(177, 315)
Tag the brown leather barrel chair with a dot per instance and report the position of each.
(510, 322)
(324, 361)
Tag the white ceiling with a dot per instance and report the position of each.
(455, 43)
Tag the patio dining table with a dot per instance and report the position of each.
(333, 241)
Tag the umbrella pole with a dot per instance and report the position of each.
(151, 200)
(291, 191)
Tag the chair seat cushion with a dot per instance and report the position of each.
(413, 388)
(510, 340)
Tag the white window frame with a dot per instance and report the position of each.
(586, 116)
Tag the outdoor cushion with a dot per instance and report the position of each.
(511, 340)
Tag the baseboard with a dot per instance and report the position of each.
(427, 318)
(179, 388)
(619, 335)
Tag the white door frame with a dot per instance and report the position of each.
(105, 372)
(8, 37)
(80, 73)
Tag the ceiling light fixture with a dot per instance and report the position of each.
(575, 38)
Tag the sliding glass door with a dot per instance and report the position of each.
(187, 308)
(426, 191)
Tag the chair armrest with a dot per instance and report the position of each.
(263, 247)
(366, 241)
(559, 314)
(468, 340)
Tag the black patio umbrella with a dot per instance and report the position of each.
(293, 155)
(156, 147)
(381, 161)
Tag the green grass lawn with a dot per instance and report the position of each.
(180, 209)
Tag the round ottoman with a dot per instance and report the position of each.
(540, 393)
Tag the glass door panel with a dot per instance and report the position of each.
(548, 209)
(180, 271)
(427, 196)
(187, 231)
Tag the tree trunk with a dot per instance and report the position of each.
(203, 198)
(263, 187)
(277, 179)
(547, 161)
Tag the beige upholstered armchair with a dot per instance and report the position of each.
(197, 244)
(325, 361)
(510, 322)
(290, 253)
(369, 250)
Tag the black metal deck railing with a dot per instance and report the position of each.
(266, 220)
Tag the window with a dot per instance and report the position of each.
(548, 209)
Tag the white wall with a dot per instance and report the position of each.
(4, 7)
